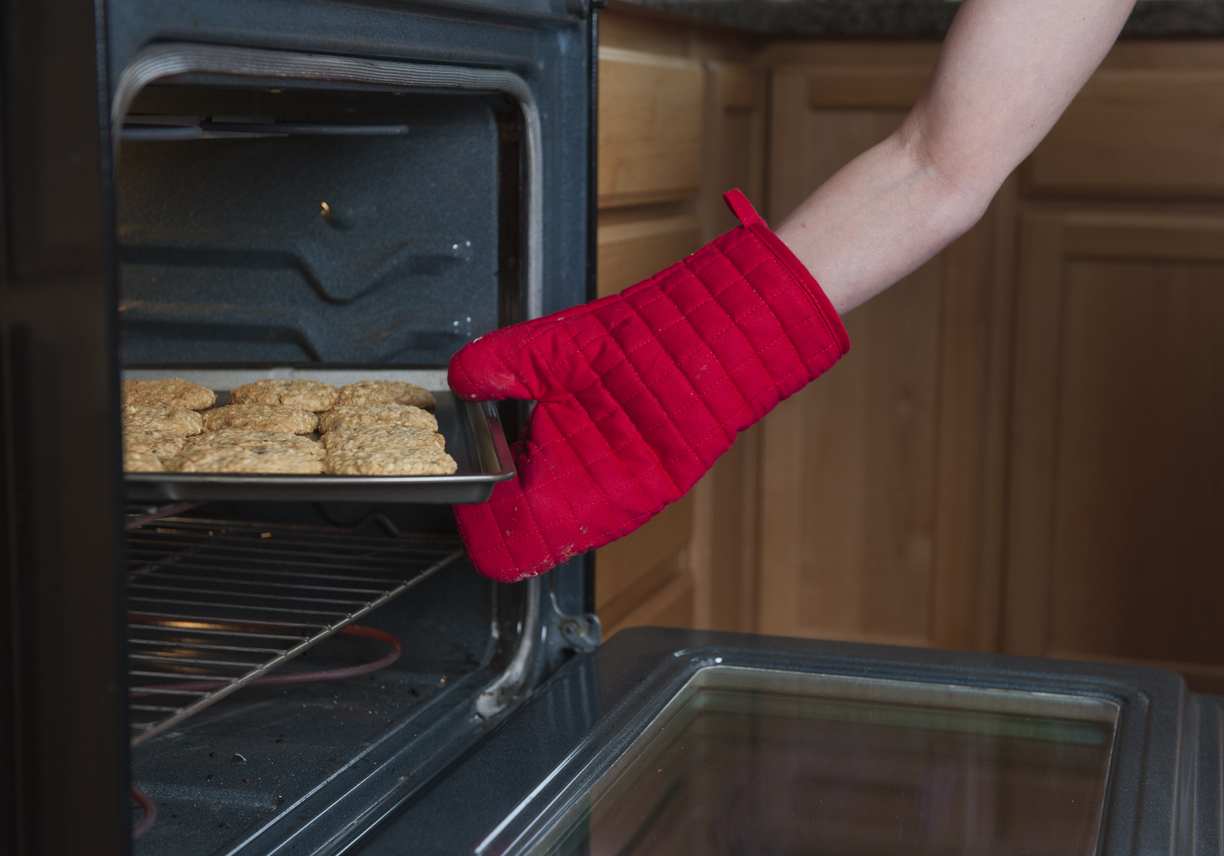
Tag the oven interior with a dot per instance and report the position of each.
(284, 226)
(290, 224)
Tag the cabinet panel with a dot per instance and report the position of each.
(671, 606)
(847, 524)
(1117, 464)
(634, 569)
(682, 119)
(650, 111)
(809, 145)
(630, 252)
(1155, 133)
(734, 142)
(879, 480)
(858, 87)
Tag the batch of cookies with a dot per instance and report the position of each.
(372, 427)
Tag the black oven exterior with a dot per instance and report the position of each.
(64, 755)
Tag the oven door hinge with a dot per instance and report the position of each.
(582, 632)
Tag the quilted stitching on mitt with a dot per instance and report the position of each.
(638, 394)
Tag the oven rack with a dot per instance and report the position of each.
(213, 605)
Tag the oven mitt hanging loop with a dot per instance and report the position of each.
(639, 393)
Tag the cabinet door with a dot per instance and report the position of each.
(1116, 520)
(878, 480)
(650, 110)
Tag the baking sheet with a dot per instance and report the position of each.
(473, 432)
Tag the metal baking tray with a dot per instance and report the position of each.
(474, 438)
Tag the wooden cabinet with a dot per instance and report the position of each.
(1023, 451)
(1116, 512)
(681, 118)
(1116, 492)
(877, 480)
(1149, 124)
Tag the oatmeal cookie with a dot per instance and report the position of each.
(349, 418)
(245, 438)
(137, 461)
(310, 395)
(365, 392)
(381, 437)
(261, 417)
(236, 459)
(175, 391)
(407, 461)
(161, 417)
(160, 444)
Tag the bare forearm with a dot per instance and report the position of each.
(1007, 71)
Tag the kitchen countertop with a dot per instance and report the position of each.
(916, 18)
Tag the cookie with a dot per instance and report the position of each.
(137, 461)
(161, 417)
(160, 444)
(268, 458)
(245, 438)
(261, 417)
(310, 395)
(366, 392)
(175, 391)
(381, 437)
(407, 461)
(351, 418)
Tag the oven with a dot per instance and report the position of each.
(318, 190)
(307, 664)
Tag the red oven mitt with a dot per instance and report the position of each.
(638, 393)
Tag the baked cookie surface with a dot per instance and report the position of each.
(381, 436)
(310, 395)
(137, 461)
(175, 391)
(245, 438)
(261, 417)
(161, 417)
(346, 417)
(366, 392)
(160, 444)
(268, 458)
(406, 461)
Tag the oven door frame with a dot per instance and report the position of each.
(577, 727)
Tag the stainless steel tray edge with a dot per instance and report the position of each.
(473, 431)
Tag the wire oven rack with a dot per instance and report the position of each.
(213, 605)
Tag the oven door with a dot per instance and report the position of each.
(668, 741)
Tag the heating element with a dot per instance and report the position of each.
(214, 605)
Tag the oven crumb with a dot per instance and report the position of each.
(238, 759)
(223, 825)
(208, 777)
(442, 680)
(265, 534)
(279, 740)
(246, 781)
(212, 754)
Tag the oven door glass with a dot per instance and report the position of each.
(749, 760)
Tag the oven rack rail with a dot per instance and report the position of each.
(214, 605)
